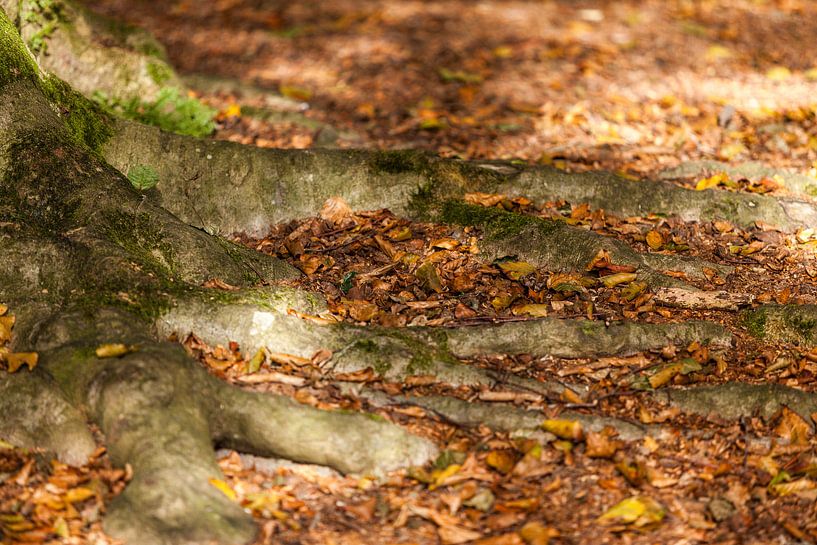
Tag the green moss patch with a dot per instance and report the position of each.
(171, 111)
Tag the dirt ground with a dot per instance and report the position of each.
(632, 87)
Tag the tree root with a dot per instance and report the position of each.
(396, 353)
(36, 414)
(270, 186)
(795, 324)
(734, 400)
(544, 243)
(161, 413)
(497, 416)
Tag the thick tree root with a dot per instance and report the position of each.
(734, 400)
(270, 186)
(545, 243)
(497, 416)
(36, 414)
(68, 40)
(396, 353)
(77, 238)
(795, 324)
(162, 413)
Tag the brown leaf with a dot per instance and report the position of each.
(501, 460)
(429, 277)
(483, 199)
(363, 510)
(534, 533)
(793, 428)
(601, 444)
(503, 539)
(655, 240)
(335, 210)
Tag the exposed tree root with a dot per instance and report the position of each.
(497, 416)
(783, 323)
(68, 40)
(542, 242)
(162, 413)
(75, 238)
(734, 400)
(396, 353)
(91, 266)
(270, 186)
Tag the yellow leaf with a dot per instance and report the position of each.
(399, 234)
(501, 460)
(811, 74)
(637, 510)
(665, 375)
(233, 110)
(78, 494)
(6, 323)
(505, 51)
(655, 240)
(566, 429)
(440, 476)
(3, 309)
(793, 487)
(536, 309)
(224, 488)
(730, 151)
(295, 93)
(502, 301)
(712, 181)
(258, 501)
(17, 360)
(718, 52)
(113, 350)
(778, 73)
(618, 278)
(516, 269)
(61, 528)
(257, 360)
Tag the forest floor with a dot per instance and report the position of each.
(632, 87)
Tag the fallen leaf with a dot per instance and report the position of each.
(713, 181)
(429, 277)
(537, 310)
(793, 428)
(335, 210)
(655, 240)
(793, 487)
(223, 487)
(483, 199)
(18, 359)
(638, 511)
(257, 360)
(114, 350)
(501, 460)
(601, 444)
(565, 429)
(534, 533)
(516, 269)
(612, 280)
